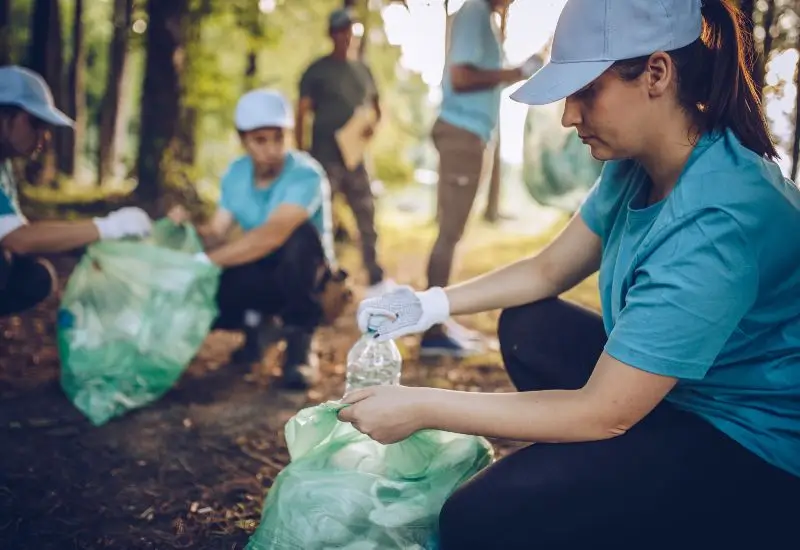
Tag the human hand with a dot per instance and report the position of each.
(387, 414)
(531, 65)
(178, 214)
(125, 222)
(403, 311)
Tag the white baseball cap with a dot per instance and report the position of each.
(593, 34)
(27, 90)
(263, 108)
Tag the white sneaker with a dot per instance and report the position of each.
(381, 288)
(460, 332)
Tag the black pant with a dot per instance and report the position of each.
(283, 284)
(672, 481)
(24, 283)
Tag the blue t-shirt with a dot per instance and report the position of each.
(11, 216)
(474, 41)
(704, 286)
(301, 182)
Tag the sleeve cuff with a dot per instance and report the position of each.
(9, 223)
(654, 364)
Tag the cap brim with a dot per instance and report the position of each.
(51, 115)
(555, 81)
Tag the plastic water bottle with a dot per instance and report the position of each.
(373, 363)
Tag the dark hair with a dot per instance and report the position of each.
(715, 85)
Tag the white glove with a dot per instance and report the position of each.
(201, 257)
(531, 65)
(125, 222)
(403, 311)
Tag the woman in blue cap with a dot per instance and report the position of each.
(672, 420)
(27, 114)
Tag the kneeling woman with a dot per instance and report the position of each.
(27, 116)
(276, 270)
(672, 420)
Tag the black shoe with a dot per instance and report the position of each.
(300, 364)
(251, 350)
(256, 341)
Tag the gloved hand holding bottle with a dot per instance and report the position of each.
(403, 311)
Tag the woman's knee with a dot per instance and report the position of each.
(30, 282)
(457, 522)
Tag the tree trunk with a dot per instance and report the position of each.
(492, 213)
(5, 32)
(70, 142)
(44, 57)
(161, 94)
(768, 22)
(796, 141)
(110, 105)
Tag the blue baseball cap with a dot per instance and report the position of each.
(593, 34)
(263, 108)
(27, 90)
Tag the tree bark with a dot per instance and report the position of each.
(768, 22)
(796, 140)
(110, 105)
(44, 57)
(70, 142)
(5, 32)
(161, 94)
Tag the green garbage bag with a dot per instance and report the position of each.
(557, 168)
(133, 315)
(343, 490)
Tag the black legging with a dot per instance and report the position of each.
(672, 481)
(282, 284)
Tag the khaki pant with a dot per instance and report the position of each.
(461, 163)
(355, 186)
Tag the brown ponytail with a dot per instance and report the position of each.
(714, 81)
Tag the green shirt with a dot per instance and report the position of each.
(336, 88)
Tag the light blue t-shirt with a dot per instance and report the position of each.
(301, 182)
(704, 286)
(475, 41)
(11, 216)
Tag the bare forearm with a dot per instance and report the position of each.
(513, 285)
(553, 416)
(470, 79)
(51, 236)
(249, 248)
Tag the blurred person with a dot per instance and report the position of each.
(671, 420)
(27, 115)
(331, 89)
(279, 277)
(472, 83)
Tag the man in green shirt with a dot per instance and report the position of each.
(332, 88)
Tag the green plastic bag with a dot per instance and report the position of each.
(133, 315)
(343, 490)
(558, 168)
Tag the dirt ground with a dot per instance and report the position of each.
(189, 471)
